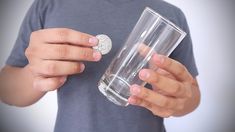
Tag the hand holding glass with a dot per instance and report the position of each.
(152, 34)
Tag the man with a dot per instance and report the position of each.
(54, 52)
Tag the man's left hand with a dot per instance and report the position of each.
(173, 88)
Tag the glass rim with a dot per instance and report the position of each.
(181, 31)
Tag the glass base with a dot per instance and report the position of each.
(112, 95)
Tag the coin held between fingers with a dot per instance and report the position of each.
(104, 45)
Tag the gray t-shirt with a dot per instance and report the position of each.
(81, 107)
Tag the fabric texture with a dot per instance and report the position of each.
(81, 107)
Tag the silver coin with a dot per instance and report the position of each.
(105, 44)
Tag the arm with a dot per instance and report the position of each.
(50, 62)
(16, 86)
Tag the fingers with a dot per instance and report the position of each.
(48, 84)
(172, 66)
(144, 49)
(63, 52)
(62, 44)
(153, 97)
(64, 35)
(165, 73)
(156, 110)
(56, 53)
(168, 85)
(57, 68)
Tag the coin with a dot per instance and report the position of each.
(105, 44)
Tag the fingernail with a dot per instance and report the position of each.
(96, 55)
(135, 89)
(144, 74)
(159, 59)
(82, 67)
(132, 100)
(93, 41)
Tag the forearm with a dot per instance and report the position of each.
(16, 87)
(193, 103)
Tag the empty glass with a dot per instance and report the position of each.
(152, 34)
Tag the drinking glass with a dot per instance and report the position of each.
(152, 34)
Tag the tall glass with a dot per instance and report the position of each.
(152, 34)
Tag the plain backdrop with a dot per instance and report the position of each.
(211, 24)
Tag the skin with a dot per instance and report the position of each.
(175, 92)
(54, 54)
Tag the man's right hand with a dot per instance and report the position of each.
(53, 54)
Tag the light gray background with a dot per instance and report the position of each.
(211, 23)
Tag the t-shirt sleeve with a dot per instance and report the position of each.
(31, 22)
(184, 51)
